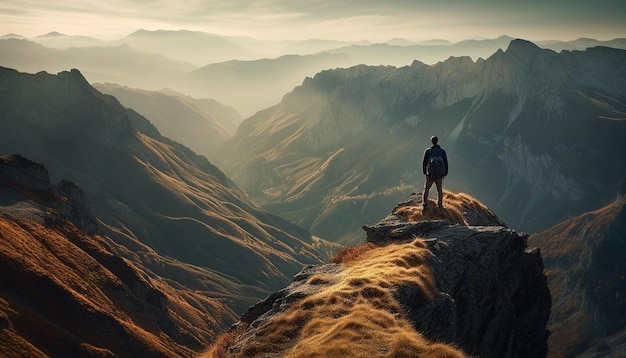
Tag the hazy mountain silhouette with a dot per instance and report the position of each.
(429, 53)
(585, 259)
(249, 86)
(200, 124)
(200, 48)
(65, 292)
(203, 48)
(582, 44)
(62, 41)
(114, 64)
(245, 73)
(148, 190)
(537, 135)
(401, 53)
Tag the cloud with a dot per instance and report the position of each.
(363, 19)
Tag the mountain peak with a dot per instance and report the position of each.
(522, 45)
(74, 75)
(523, 50)
(53, 34)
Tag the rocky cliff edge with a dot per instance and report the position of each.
(451, 283)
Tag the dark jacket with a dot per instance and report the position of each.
(434, 151)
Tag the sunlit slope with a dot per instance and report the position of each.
(145, 187)
(585, 263)
(354, 312)
(527, 130)
(67, 293)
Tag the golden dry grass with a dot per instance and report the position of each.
(355, 312)
(454, 203)
(221, 345)
(82, 279)
(350, 254)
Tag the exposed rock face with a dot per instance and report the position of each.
(492, 300)
(32, 179)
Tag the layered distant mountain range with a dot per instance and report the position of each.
(244, 73)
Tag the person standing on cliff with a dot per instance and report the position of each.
(435, 168)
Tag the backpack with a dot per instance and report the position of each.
(436, 167)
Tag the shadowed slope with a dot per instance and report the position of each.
(585, 262)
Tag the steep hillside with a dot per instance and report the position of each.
(68, 291)
(147, 190)
(200, 124)
(419, 288)
(585, 260)
(536, 134)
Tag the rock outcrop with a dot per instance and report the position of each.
(489, 296)
(32, 180)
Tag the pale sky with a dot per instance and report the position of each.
(356, 20)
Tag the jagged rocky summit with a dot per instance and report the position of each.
(460, 277)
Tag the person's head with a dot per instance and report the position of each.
(434, 140)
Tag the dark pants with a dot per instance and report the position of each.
(429, 183)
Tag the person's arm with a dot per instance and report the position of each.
(425, 161)
(445, 162)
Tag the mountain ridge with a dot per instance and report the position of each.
(150, 193)
(200, 124)
(485, 114)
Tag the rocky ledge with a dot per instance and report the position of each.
(490, 298)
(20, 176)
